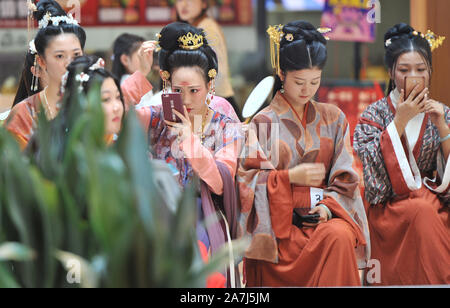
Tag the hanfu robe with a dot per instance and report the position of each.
(22, 120)
(407, 185)
(193, 157)
(282, 254)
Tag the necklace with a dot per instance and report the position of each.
(47, 106)
(202, 132)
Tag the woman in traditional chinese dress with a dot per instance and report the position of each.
(404, 145)
(206, 143)
(299, 161)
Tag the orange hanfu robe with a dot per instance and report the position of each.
(408, 216)
(282, 254)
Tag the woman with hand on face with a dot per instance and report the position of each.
(205, 144)
(403, 142)
(59, 40)
(300, 163)
(125, 55)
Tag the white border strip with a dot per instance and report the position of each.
(410, 171)
(445, 179)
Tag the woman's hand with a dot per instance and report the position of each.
(323, 216)
(145, 54)
(406, 110)
(307, 174)
(437, 112)
(183, 129)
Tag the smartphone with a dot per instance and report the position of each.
(298, 220)
(411, 82)
(172, 101)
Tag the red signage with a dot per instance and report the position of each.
(13, 13)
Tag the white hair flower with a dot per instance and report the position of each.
(98, 65)
(388, 43)
(43, 23)
(32, 47)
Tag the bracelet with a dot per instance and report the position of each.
(327, 209)
(445, 138)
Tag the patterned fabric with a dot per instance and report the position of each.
(322, 136)
(22, 121)
(222, 131)
(372, 124)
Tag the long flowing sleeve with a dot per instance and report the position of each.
(367, 144)
(203, 161)
(134, 88)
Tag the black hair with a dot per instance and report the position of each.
(401, 39)
(43, 37)
(24, 91)
(82, 65)
(172, 56)
(125, 44)
(302, 47)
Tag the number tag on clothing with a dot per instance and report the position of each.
(316, 196)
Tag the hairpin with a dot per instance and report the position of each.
(97, 65)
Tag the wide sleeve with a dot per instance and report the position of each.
(20, 124)
(342, 194)
(203, 160)
(367, 144)
(134, 88)
(441, 183)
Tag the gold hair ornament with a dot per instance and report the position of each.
(434, 40)
(190, 41)
(275, 35)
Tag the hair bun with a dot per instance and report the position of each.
(398, 30)
(172, 32)
(48, 6)
(302, 30)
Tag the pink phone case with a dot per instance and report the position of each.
(172, 101)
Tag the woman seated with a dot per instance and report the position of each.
(300, 163)
(205, 144)
(403, 142)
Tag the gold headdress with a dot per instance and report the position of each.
(434, 40)
(275, 35)
(191, 41)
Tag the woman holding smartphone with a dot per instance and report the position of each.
(404, 145)
(202, 143)
(300, 163)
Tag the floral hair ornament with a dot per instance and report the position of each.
(434, 40)
(323, 31)
(32, 47)
(275, 35)
(43, 23)
(100, 64)
(34, 79)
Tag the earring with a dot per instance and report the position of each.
(212, 90)
(282, 88)
(35, 78)
(165, 75)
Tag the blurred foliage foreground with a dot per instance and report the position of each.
(75, 212)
